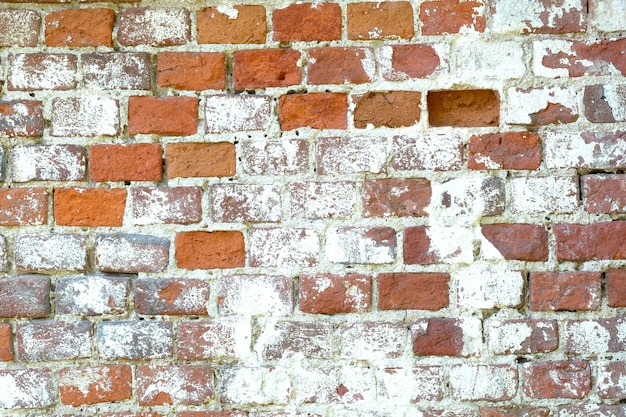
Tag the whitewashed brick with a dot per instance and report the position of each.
(254, 295)
(137, 340)
(181, 205)
(544, 48)
(520, 336)
(26, 388)
(236, 113)
(537, 16)
(245, 203)
(91, 295)
(116, 71)
(216, 339)
(157, 26)
(374, 340)
(427, 152)
(85, 116)
(283, 247)
(526, 105)
(19, 27)
(42, 72)
(322, 200)
(599, 150)
(488, 287)
(48, 163)
(255, 385)
(275, 157)
(296, 339)
(351, 155)
(131, 253)
(359, 245)
(480, 59)
(50, 252)
(483, 382)
(544, 194)
(412, 384)
(342, 385)
(608, 15)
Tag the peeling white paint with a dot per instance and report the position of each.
(236, 113)
(53, 71)
(584, 150)
(587, 337)
(352, 245)
(47, 163)
(508, 336)
(85, 116)
(514, 16)
(255, 295)
(481, 381)
(480, 59)
(283, 247)
(534, 100)
(26, 388)
(544, 194)
(373, 340)
(489, 286)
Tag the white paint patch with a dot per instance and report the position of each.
(451, 244)
(227, 339)
(479, 59)
(231, 12)
(113, 71)
(587, 337)
(373, 340)
(26, 388)
(483, 382)
(352, 245)
(256, 385)
(50, 252)
(177, 382)
(236, 113)
(54, 71)
(274, 157)
(283, 247)
(351, 155)
(549, 47)
(256, 295)
(611, 377)
(509, 337)
(47, 163)
(584, 150)
(157, 26)
(134, 340)
(245, 203)
(130, 253)
(20, 23)
(544, 194)
(87, 380)
(368, 62)
(85, 117)
(472, 335)
(432, 152)
(489, 286)
(534, 100)
(91, 295)
(608, 15)
(408, 384)
(166, 205)
(514, 16)
(322, 200)
(615, 96)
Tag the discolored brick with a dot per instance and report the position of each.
(505, 150)
(387, 109)
(451, 16)
(341, 65)
(19, 27)
(53, 340)
(200, 159)
(178, 205)
(91, 295)
(25, 296)
(131, 253)
(335, 294)
(181, 384)
(104, 384)
(171, 296)
(48, 163)
(23, 206)
(396, 197)
(41, 71)
(557, 379)
(21, 118)
(524, 242)
(50, 252)
(135, 340)
(238, 24)
(117, 71)
(155, 26)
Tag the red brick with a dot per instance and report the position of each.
(427, 152)
(385, 20)
(335, 294)
(117, 71)
(594, 336)
(283, 247)
(104, 384)
(239, 24)
(396, 197)
(214, 339)
(85, 116)
(53, 340)
(48, 163)
(191, 70)
(183, 384)
(171, 296)
(19, 27)
(178, 205)
(132, 162)
(360, 245)
(23, 206)
(468, 382)
(275, 157)
(244, 203)
(307, 22)
(522, 242)
(91, 295)
(517, 337)
(604, 193)
(322, 200)
(240, 295)
(237, 112)
(27, 388)
(337, 155)
(299, 339)
(403, 62)
(42, 71)
(371, 340)
(210, 250)
(559, 379)
(388, 109)
(579, 58)
(610, 380)
(554, 291)
(416, 242)
(578, 242)
(262, 68)
(437, 337)
(542, 106)
(135, 340)
(616, 287)
(50, 252)
(514, 412)
(21, 118)
(510, 16)
(6, 343)
(505, 150)
(413, 291)
(131, 253)
(463, 108)
(155, 26)
(315, 110)
(341, 65)
(169, 116)
(604, 103)
(200, 159)
(89, 206)
(450, 16)
(80, 27)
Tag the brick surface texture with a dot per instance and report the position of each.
(407, 208)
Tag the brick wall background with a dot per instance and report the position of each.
(313, 209)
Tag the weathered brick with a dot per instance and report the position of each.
(53, 340)
(260, 385)
(580, 242)
(489, 287)
(25, 296)
(335, 294)
(387, 109)
(605, 103)
(606, 15)
(209, 250)
(505, 150)
(179, 205)
(23, 206)
(615, 282)
(510, 16)
(236, 113)
(529, 411)
(243, 203)
(50, 252)
(232, 25)
(564, 58)
(408, 385)
(129, 413)
(336, 155)
(307, 22)
(6, 342)
(117, 71)
(26, 388)
(463, 108)
(200, 159)
(395, 197)
(341, 65)
(594, 336)
(21, 118)
(322, 200)
(275, 157)
(91, 295)
(558, 379)
(80, 27)
(48, 163)
(223, 339)
(429, 245)
(470, 382)
(361, 245)
(253, 295)
(451, 16)
(155, 26)
(336, 385)
(524, 242)
(413, 291)
(371, 340)
(590, 410)
(287, 339)
(445, 336)
(169, 116)
(212, 414)
(478, 59)
(544, 194)
(383, 20)
(191, 70)
(604, 193)
(89, 206)
(611, 377)
(4, 255)
(283, 247)
(596, 150)
(135, 340)
(554, 291)
(85, 116)
(404, 62)
(314, 110)
(132, 162)
(427, 152)
(542, 106)
(171, 296)
(468, 198)
(182, 384)
(515, 337)
(42, 71)
(131, 253)
(262, 68)
(94, 385)
(19, 27)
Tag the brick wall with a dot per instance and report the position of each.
(313, 209)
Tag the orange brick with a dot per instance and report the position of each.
(262, 68)
(317, 110)
(6, 342)
(382, 20)
(208, 250)
(307, 22)
(21, 206)
(200, 159)
(80, 27)
(133, 162)
(249, 26)
(191, 70)
(103, 384)
(89, 206)
(172, 116)
(449, 16)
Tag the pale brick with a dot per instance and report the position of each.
(590, 410)
(255, 385)
(544, 194)
(245, 203)
(26, 388)
(21, 118)
(469, 382)
(41, 71)
(253, 295)
(19, 27)
(25, 296)
(607, 15)
(522, 336)
(53, 340)
(427, 152)
(489, 287)
(91, 296)
(155, 26)
(48, 163)
(463, 200)
(289, 339)
(605, 103)
(4, 260)
(182, 384)
(435, 244)
(236, 113)
(537, 16)
(117, 71)
(359, 245)
(541, 106)
(322, 200)
(179, 205)
(595, 150)
(275, 157)
(172, 296)
(222, 339)
(595, 337)
(283, 247)
(335, 385)
(372, 340)
(481, 59)
(135, 340)
(131, 253)
(50, 253)
(612, 380)
(85, 117)
(413, 384)
(351, 155)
